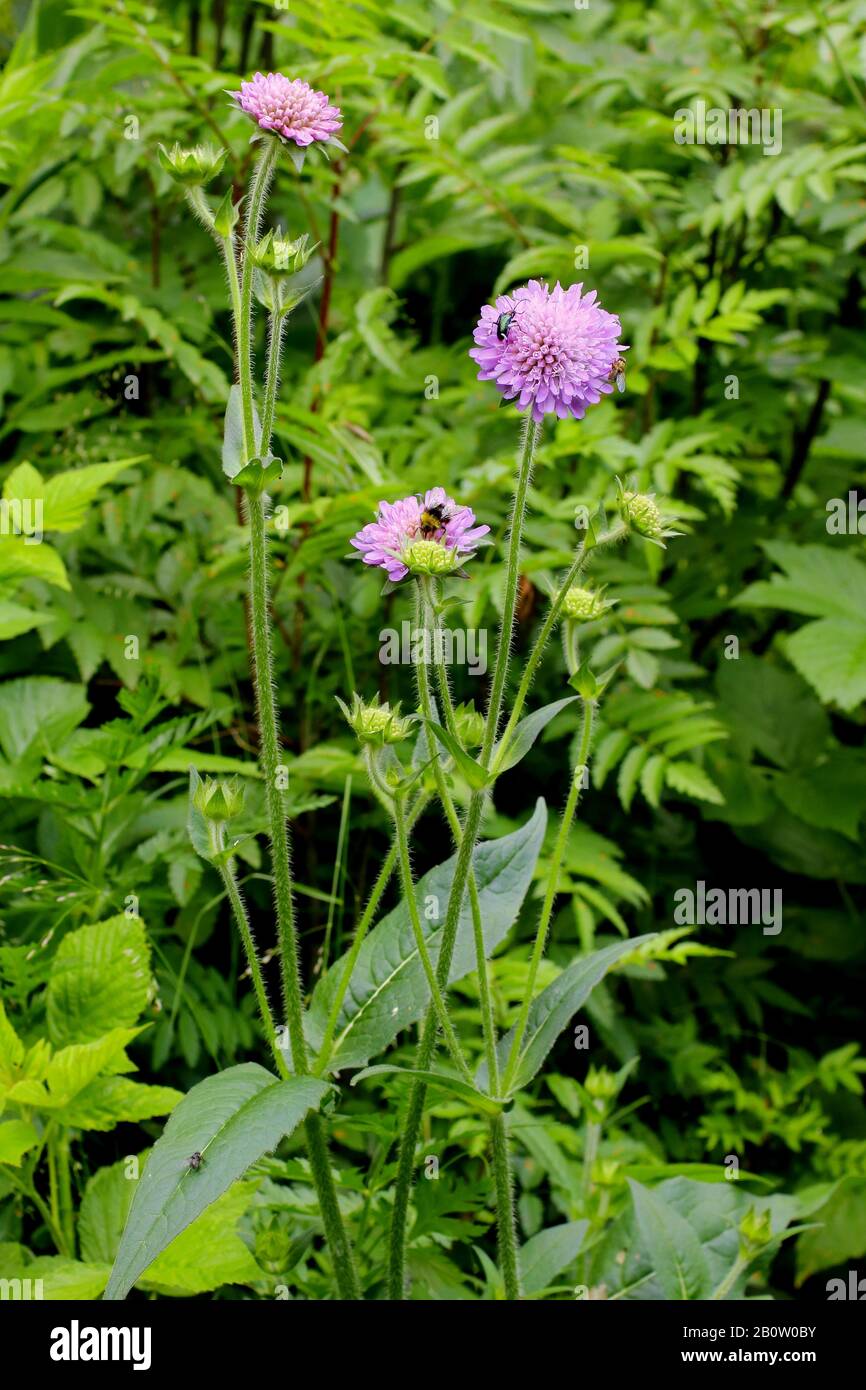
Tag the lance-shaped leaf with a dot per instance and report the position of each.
(554, 1009)
(388, 990)
(440, 1080)
(475, 774)
(233, 433)
(231, 1119)
(526, 733)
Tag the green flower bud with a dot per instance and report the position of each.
(756, 1231)
(470, 725)
(377, 724)
(641, 514)
(276, 256)
(601, 1084)
(219, 798)
(584, 605)
(194, 166)
(430, 557)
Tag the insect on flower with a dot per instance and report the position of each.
(433, 520)
(617, 373)
(194, 1162)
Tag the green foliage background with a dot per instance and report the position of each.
(490, 141)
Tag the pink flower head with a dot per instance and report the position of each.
(404, 535)
(556, 351)
(292, 109)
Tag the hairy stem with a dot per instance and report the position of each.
(506, 1230)
(358, 940)
(436, 995)
(242, 922)
(258, 190)
(550, 894)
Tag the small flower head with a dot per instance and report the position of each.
(293, 110)
(421, 535)
(279, 257)
(469, 724)
(377, 724)
(554, 350)
(584, 605)
(194, 166)
(642, 514)
(219, 798)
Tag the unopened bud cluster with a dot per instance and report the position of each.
(376, 723)
(192, 167)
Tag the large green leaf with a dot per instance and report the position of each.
(554, 1008)
(231, 1119)
(100, 979)
(672, 1246)
(388, 989)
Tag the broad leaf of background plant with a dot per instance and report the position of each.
(672, 1245)
(388, 990)
(231, 1119)
(99, 980)
(547, 1254)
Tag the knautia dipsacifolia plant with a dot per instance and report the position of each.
(549, 352)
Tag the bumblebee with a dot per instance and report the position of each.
(617, 373)
(434, 519)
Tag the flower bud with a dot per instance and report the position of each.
(641, 514)
(219, 798)
(430, 557)
(584, 605)
(276, 256)
(377, 724)
(194, 166)
(469, 724)
(756, 1231)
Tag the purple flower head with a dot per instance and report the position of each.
(551, 349)
(427, 535)
(292, 109)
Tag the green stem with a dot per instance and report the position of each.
(426, 597)
(358, 940)
(512, 578)
(506, 1230)
(242, 921)
(577, 564)
(436, 995)
(550, 894)
(270, 762)
(341, 1253)
(258, 190)
(277, 323)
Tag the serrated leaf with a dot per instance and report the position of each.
(691, 780)
(231, 1119)
(99, 980)
(629, 772)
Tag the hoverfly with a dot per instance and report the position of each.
(617, 373)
